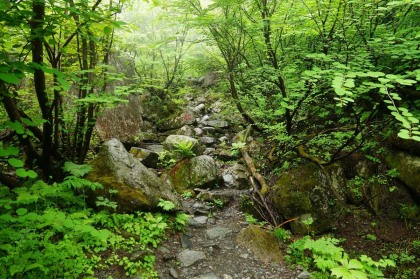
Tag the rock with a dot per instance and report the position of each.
(197, 172)
(138, 187)
(157, 148)
(173, 141)
(185, 241)
(207, 276)
(199, 108)
(304, 275)
(173, 273)
(198, 131)
(236, 177)
(261, 243)
(306, 190)
(123, 122)
(408, 167)
(189, 257)
(221, 124)
(198, 222)
(147, 157)
(175, 122)
(218, 232)
(208, 140)
(209, 130)
(185, 131)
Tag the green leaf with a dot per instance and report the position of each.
(76, 170)
(404, 134)
(11, 150)
(21, 173)
(9, 78)
(107, 30)
(21, 211)
(31, 174)
(16, 163)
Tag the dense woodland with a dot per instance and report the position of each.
(318, 82)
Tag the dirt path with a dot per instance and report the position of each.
(208, 248)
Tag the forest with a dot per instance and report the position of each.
(316, 101)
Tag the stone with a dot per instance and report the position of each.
(209, 130)
(198, 222)
(185, 241)
(172, 141)
(198, 131)
(221, 124)
(173, 122)
(306, 190)
(207, 276)
(197, 172)
(138, 187)
(123, 122)
(207, 140)
(261, 243)
(218, 232)
(190, 257)
(408, 167)
(199, 108)
(304, 275)
(147, 157)
(173, 273)
(185, 131)
(157, 148)
(236, 177)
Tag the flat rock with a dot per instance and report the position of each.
(218, 232)
(198, 222)
(207, 276)
(189, 257)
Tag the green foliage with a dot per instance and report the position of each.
(184, 149)
(48, 231)
(326, 257)
(166, 205)
(282, 234)
(181, 150)
(187, 194)
(250, 219)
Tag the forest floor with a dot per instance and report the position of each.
(208, 249)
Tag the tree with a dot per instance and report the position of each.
(55, 54)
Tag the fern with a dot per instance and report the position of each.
(76, 170)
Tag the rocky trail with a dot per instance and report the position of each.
(217, 245)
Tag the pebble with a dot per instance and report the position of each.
(173, 273)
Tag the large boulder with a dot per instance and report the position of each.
(138, 187)
(408, 167)
(261, 243)
(123, 122)
(307, 190)
(197, 172)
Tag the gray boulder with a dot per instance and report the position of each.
(173, 141)
(177, 121)
(138, 187)
(236, 177)
(197, 172)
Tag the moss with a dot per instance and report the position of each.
(128, 199)
(261, 243)
(179, 176)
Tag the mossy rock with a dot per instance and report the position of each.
(261, 243)
(303, 191)
(408, 167)
(197, 172)
(138, 187)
